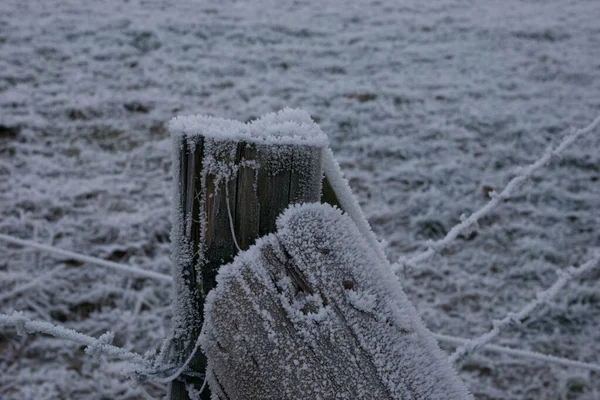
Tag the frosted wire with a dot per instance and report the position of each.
(441, 337)
(237, 246)
(525, 174)
(22, 323)
(92, 260)
(533, 355)
(540, 298)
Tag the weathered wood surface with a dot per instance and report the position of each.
(186, 248)
(309, 313)
(229, 194)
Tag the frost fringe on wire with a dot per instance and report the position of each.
(532, 355)
(524, 173)
(540, 298)
(149, 367)
(26, 325)
(13, 321)
(83, 258)
(95, 347)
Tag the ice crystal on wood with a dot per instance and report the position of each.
(311, 312)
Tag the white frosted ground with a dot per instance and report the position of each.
(427, 105)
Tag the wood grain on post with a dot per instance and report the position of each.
(232, 182)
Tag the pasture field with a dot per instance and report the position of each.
(429, 106)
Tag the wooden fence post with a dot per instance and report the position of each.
(232, 181)
(312, 312)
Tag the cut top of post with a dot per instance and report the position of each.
(286, 127)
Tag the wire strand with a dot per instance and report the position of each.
(89, 259)
(540, 298)
(533, 355)
(514, 183)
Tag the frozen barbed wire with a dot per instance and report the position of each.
(441, 337)
(524, 173)
(147, 369)
(23, 325)
(542, 297)
(532, 355)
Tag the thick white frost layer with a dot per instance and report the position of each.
(348, 201)
(286, 127)
(312, 312)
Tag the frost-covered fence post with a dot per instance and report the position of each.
(312, 312)
(232, 180)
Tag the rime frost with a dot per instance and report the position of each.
(286, 127)
(311, 312)
(340, 185)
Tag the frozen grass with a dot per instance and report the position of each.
(429, 106)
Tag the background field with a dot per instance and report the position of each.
(429, 105)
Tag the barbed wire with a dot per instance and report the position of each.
(525, 173)
(533, 355)
(88, 259)
(146, 368)
(564, 276)
(102, 345)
